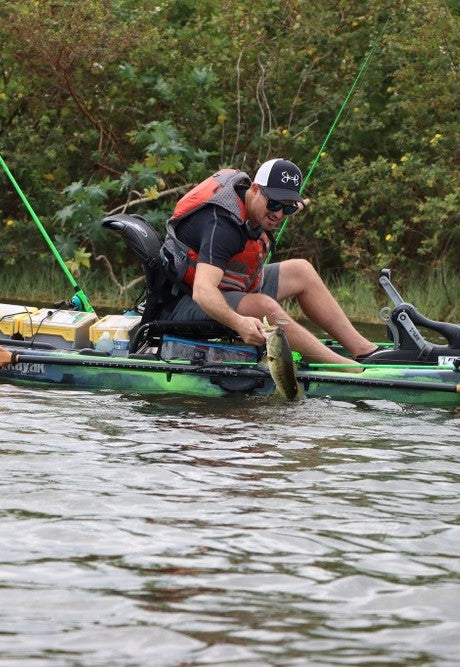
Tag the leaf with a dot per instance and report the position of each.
(217, 106)
(73, 189)
(203, 76)
(73, 267)
(82, 257)
(171, 164)
(66, 244)
(65, 213)
(151, 161)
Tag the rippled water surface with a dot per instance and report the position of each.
(244, 531)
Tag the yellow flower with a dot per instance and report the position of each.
(388, 237)
(9, 222)
(221, 118)
(393, 166)
(151, 193)
(404, 158)
(323, 154)
(48, 177)
(436, 138)
(284, 131)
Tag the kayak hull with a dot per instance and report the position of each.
(436, 386)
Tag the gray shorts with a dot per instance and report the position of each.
(186, 309)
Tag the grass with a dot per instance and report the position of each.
(37, 287)
(435, 295)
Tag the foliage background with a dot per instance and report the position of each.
(122, 104)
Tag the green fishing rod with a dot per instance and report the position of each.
(343, 106)
(79, 300)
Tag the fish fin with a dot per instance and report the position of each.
(278, 323)
(266, 324)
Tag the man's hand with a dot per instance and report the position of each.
(5, 356)
(251, 329)
(207, 295)
(302, 205)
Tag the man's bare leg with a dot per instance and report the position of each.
(299, 279)
(300, 339)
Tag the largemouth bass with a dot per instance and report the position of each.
(280, 364)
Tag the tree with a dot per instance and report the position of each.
(121, 101)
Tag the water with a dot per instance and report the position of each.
(188, 532)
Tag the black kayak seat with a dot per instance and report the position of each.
(140, 236)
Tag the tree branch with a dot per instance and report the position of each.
(238, 106)
(144, 200)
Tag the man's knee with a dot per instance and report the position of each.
(258, 305)
(296, 276)
(302, 267)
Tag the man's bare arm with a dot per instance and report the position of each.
(207, 295)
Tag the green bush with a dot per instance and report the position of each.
(106, 104)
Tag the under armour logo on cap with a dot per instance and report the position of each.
(280, 179)
(285, 178)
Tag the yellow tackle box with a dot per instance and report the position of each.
(11, 316)
(112, 324)
(68, 329)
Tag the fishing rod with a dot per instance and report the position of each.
(79, 300)
(343, 106)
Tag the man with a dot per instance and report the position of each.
(217, 240)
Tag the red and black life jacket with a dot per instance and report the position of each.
(244, 270)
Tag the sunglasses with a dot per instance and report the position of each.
(288, 209)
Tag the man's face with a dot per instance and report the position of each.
(260, 215)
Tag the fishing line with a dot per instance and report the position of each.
(26, 311)
(19, 312)
(343, 106)
(34, 335)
